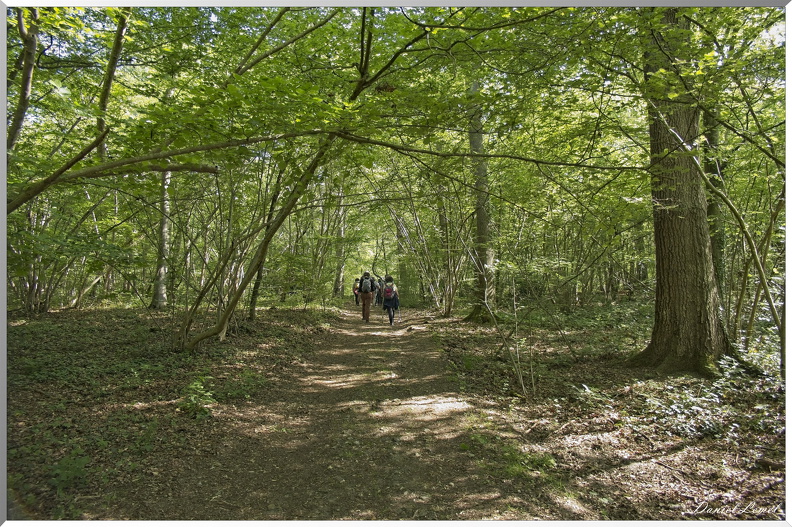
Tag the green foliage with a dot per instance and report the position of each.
(691, 414)
(526, 464)
(508, 459)
(737, 402)
(196, 399)
(566, 151)
(241, 385)
(145, 396)
(70, 471)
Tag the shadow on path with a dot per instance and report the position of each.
(369, 426)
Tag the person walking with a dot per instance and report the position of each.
(390, 298)
(378, 297)
(366, 292)
(355, 291)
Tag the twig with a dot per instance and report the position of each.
(537, 423)
(672, 469)
(94, 496)
(642, 435)
(562, 427)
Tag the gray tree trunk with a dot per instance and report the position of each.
(160, 296)
(484, 255)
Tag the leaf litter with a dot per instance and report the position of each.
(307, 415)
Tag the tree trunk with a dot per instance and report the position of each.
(484, 256)
(160, 297)
(29, 37)
(261, 253)
(254, 294)
(714, 170)
(107, 83)
(409, 279)
(448, 281)
(338, 288)
(688, 333)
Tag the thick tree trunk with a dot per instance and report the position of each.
(688, 333)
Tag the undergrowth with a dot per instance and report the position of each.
(577, 360)
(93, 392)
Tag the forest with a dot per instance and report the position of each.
(583, 209)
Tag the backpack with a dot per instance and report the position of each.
(388, 292)
(365, 285)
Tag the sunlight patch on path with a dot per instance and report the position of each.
(348, 380)
(437, 416)
(432, 406)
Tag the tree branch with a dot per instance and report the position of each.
(107, 82)
(243, 69)
(106, 169)
(37, 188)
(539, 162)
(30, 42)
(109, 169)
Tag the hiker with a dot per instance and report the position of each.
(390, 298)
(366, 292)
(380, 284)
(355, 288)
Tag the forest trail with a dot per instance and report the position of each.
(328, 418)
(369, 426)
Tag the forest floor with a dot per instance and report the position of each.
(308, 415)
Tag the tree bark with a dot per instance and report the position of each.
(338, 287)
(484, 256)
(29, 37)
(714, 170)
(107, 83)
(689, 333)
(160, 296)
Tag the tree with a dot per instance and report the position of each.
(266, 120)
(29, 35)
(689, 333)
(484, 256)
(160, 295)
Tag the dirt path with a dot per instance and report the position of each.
(359, 421)
(369, 427)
